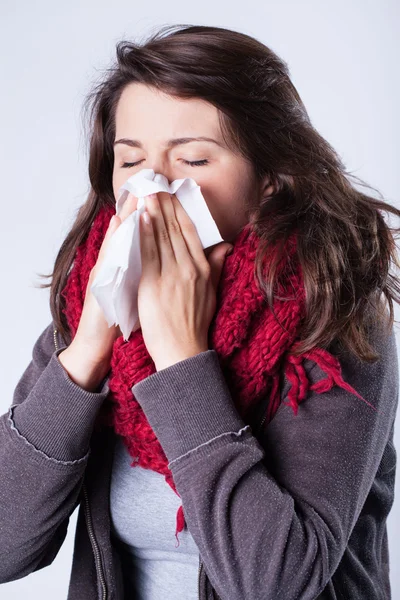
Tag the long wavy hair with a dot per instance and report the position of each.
(344, 245)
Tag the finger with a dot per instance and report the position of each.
(112, 226)
(216, 261)
(182, 252)
(160, 231)
(128, 206)
(189, 233)
(150, 258)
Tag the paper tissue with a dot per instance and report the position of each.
(116, 284)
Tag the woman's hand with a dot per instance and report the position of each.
(177, 289)
(87, 358)
(94, 339)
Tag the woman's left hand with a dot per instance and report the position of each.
(177, 289)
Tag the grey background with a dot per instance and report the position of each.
(343, 59)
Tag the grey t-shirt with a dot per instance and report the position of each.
(143, 512)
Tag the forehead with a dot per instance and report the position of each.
(152, 114)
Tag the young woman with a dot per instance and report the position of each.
(250, 416)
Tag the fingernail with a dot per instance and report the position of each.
(229, 251)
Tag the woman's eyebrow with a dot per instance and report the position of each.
(169, 143)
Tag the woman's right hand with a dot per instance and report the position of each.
(93, 332)
(93, 341)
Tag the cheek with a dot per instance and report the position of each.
(227, 202)
(118, 180)
(230, 186)
(225, 208)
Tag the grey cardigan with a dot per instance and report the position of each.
(296, 511)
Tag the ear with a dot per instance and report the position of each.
(267, 188)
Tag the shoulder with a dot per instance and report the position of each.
(338, 410)
(361, 374)
(336, 429)
(372, 378)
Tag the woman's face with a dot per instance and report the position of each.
(148, 121)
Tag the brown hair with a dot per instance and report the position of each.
(344, 245)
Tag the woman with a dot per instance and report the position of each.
(261, 387)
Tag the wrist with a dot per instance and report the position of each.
(82, 370)
(178, 357)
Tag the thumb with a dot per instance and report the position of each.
(216, 259)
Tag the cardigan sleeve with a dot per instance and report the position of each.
(272, 519)
(44, 448)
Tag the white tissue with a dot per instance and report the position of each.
(116, 284)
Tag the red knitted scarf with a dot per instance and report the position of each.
(252, 347)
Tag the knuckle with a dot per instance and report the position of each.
(173, 225)
(190, 226)
(151, 254)
(191, 273)
(206, 270)
(164, 235)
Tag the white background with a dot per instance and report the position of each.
(343, 59)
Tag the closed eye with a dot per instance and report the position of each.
(195, 163)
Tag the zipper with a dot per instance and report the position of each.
(89, 526)
(93, 542)
(259, 428)
(55, 338)
(262, 423)
(214, 593)
(198, 577)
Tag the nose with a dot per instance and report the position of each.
(159, 166)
